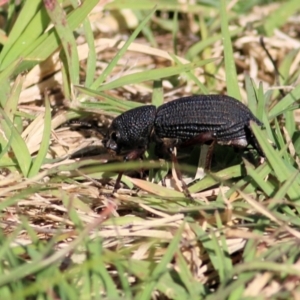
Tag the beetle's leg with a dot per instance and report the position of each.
(178, 173)
(161, 149)
(133, 155)
(202, 138)
(209, 156)
(166, 149)
(256, 146)
(117, 183)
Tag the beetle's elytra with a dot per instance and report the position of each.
(189, 121)
(201, 119)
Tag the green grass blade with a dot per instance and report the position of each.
(161, 266)
(10, 107)
(30, 24)
(122, 51)
(59, 19)
(286, 103)
(265, 186)
(106, 103)
(47, 43)
(278, 17)
(273, 156)
(231, 75)
(146, 30)
(225, 255)
(282, 171)
(153, 74)
(18, 145)
(39, 160)
(203, 44)
(192, 286)
(213, 178)
(91, 61)
(251, 94)
(191, 76)
(4, 79)
(281, 193)
(5, 145)
(158, 93)
(161, 5)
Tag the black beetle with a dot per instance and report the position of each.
(187, 121)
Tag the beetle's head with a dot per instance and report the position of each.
(131, 129)
(112, 140)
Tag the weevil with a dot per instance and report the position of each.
(187, 121)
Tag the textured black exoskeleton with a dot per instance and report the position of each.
(207, 118)
(131, 131)
(186, 121)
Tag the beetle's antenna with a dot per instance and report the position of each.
(77, 124)
(277, 73)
